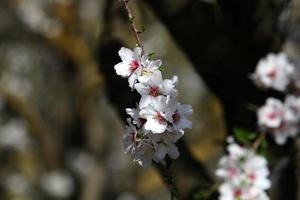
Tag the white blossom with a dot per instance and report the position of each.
(280, 119)
(271, 114)
(274, 71)
(179, 118)
(14, 135)
(158, 121)
(155, 85)
(158, 113)
(244, 174)
(58, 184)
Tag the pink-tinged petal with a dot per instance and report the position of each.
(160, 152)
(155, 126)
(122, 69)
(126, 55)
(184, 123)
(132, 80)
(166, 87)
(142, 89)
(154, 65)
(145, 101)
(156, 78)
(185, 109)
(137, 52)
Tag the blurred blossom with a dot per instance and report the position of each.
(33, 14)
(14, 135)
(16, 184)
(281, 119)
(58, 184)
(275, 71)
(15, 76)
(244, 175)
(81, 162)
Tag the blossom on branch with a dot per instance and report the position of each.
(159, 120)
(281, 119)
(244, 175)
(274, 71)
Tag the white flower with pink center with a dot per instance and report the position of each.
(280, 119)
(274, 71)
(157, 123)
(131, 65)
(159, 114)
(244, 174)
(271, 114)
(155, 85)
(180, 119)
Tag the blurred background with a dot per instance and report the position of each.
(62, 107)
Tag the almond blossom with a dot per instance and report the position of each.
(159, 120)
(244, 174)
(135, 64)
(280, 119)
(274, 71)
(158, 114)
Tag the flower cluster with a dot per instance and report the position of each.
(280, 118)
(274, 71)
(158, 121)
(277, 117)
(244, 174)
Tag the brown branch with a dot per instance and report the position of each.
(39, 129)
(258, 141)
(133, 26)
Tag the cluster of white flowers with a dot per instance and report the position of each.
(244, 175)
(274, 71)
(280, 118)
(159, 120)
(277, 117)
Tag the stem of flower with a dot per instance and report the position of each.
(168, 178)
(133, 26)
(258, 141)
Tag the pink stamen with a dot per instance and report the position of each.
(232, 172)
(160, 118)
(237, 193)
(272, 115)
(272, 74)
(176, 117)
(154, 91)
(134, 65)
(252, 176)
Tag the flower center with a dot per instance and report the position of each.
(176, 117)
(252, 176)
(272, 74)
(232, 172)
(237, 193)
(159, 118)
(154, 91)
(134, 65)
(272, 115)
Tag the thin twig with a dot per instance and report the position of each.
(133, 26)
(258, 141)
(168, 178)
